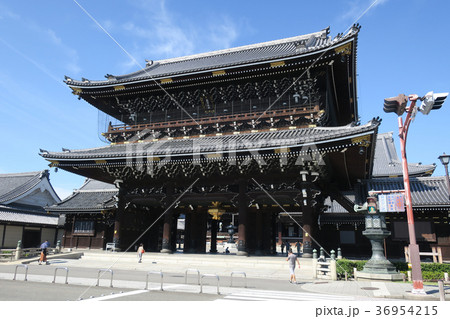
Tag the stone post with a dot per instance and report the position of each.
(314, 264)
(322, 254)
(339, 253)
(58, 246)
(18, 250)
(333, 268)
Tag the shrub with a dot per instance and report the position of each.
(346, 265)
(434, 267)
(430, 271)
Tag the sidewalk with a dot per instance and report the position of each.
(262, 267)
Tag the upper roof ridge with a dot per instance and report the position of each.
(245, 47)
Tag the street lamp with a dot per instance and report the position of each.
(445, 159)
(399, 106)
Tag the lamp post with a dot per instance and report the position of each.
(445, 159)
(398, 105)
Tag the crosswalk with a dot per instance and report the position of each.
(270, 295)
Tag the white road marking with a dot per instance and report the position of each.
(264, 295)
(383, 291)
(118, 295)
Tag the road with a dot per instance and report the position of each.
(130, 286)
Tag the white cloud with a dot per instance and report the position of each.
(164, 34)
(224, 33)
(45, 35)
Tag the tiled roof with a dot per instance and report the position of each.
(428, 191)
(94, 185)
(14, 185)
(213, 144)
(92, 196)
(425, 191)
(387, 163)
(16, 215)
(335, 207)
(278, 49)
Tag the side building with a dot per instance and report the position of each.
(89, 215)
(23, 217)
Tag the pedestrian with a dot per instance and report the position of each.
(282, 247)
(44, 251)
(292, 258)
(299, 245)
(140, 251)
(288, 247)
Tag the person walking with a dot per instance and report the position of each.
(282, 247)
(288, 247)
(299, 245)
(44, 251)
(291, 259)
(140, 251)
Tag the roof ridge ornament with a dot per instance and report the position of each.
(110, 77)
(355, 27)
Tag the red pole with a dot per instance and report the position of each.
(413, 247)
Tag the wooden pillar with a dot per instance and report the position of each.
(118, 214)
(195, 232)
(168, 223)
(243, 216)
(279, 229)
(201, 231)
(213, 248)
(174, 230)
(188, 225)
(259, 233)
(308, 220)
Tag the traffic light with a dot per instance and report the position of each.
(432, 101)
(396, 104)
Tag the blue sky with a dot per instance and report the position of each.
(403, 47)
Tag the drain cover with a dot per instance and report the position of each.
(321, 282)
(369, 288)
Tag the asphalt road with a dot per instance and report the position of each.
(37, 291)
(39, 286)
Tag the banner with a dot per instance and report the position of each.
(391, 203)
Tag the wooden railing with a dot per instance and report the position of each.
(436, 253)
(114, 129)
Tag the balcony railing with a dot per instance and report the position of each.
(306, 110)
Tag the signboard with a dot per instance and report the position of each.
(391, 203)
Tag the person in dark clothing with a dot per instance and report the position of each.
(288, 246)
(44, 252)
(299, 246)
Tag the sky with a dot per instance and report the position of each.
(403, 47)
